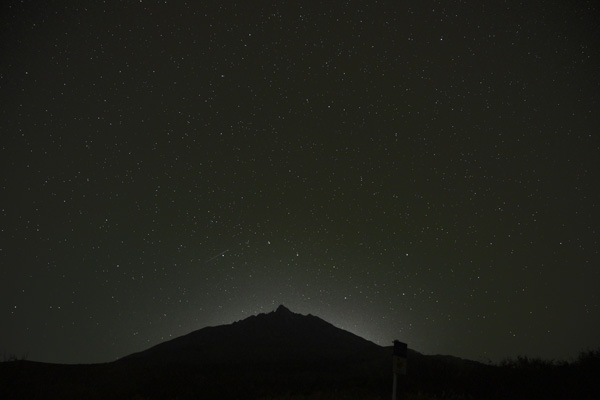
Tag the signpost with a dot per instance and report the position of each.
(399, 365)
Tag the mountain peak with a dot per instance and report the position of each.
(282, 309)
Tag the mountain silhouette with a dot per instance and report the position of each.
(280, 336)
(262, 355)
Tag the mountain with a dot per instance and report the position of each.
(262, 356)
(277, 337)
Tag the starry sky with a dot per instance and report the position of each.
(420, 170)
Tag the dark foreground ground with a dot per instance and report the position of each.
(430, 377)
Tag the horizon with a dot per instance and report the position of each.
(481, 359)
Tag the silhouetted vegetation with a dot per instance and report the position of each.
(12, 357)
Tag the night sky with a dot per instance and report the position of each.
(419, 170)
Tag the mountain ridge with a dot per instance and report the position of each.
(280, 335)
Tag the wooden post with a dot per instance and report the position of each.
(399, 364)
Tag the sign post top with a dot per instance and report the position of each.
(400, 349)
